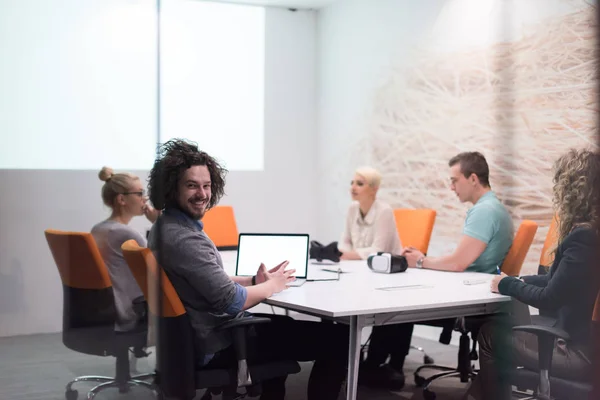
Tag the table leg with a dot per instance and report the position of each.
(356, 325)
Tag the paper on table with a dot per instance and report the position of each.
(403, 287)
(324, 274)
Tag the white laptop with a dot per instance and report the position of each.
(272, 249)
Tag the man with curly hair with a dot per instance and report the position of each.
(185, 182)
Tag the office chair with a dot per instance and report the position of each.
(89, 313)
(546, 259)
(511, 266)
(414, 228)
(541, 382)
(177, 373)
(221, 228)
(551, 238)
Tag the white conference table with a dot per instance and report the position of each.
(363, 298)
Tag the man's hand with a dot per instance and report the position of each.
(496, 281)
(262, 275)
(412, 256)
(281, 278)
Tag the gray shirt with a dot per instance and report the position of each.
(194, 267)
(109, 236)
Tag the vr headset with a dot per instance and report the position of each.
(387, 263)
(319, 252)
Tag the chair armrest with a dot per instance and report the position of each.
(547, 336)
(242, 322)
(544, 331)
(239, 328)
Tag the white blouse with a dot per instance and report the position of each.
(371, 234)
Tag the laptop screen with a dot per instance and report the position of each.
(271, 250)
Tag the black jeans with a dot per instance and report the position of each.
(394, 341)
(288, 339)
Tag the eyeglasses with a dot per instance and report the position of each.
(141, 194)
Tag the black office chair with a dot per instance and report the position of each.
(177, 374)
(541, 381)
(468, 328)
(89, 313)
(470, 325)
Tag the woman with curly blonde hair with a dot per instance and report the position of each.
(566, 295)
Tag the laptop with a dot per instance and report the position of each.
(272, 249)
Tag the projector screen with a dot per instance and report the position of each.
(79, 82)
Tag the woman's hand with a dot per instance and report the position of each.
(496, 281)
(151, 213)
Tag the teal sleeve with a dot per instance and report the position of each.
(480, 224)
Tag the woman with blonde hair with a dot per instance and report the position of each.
(566, 294)
(124, 195)
(370, 223)
(371, 228)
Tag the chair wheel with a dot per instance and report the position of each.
(71, 394)
(428, 395)
(419, 381)
(427, 359)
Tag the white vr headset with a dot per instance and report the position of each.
(387, 263)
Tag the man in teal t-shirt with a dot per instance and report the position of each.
(489, 222)
(488, 230)
(487, 237)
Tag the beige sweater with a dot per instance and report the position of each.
(371, 234)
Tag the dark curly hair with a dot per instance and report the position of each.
(576, 190)
(173, 159)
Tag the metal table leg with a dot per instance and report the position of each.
(356, 326)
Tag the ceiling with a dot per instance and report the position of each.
(300, 4)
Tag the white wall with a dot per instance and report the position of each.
(280, 198)
(357, 40)
(360, 44)
(366, 49)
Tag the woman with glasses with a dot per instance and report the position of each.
(124, 195)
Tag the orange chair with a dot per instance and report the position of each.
(221, 228)
(547, 258)
(176, 358)
(415, 227)
(511, 266)
(518, 251)
(89, 313)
